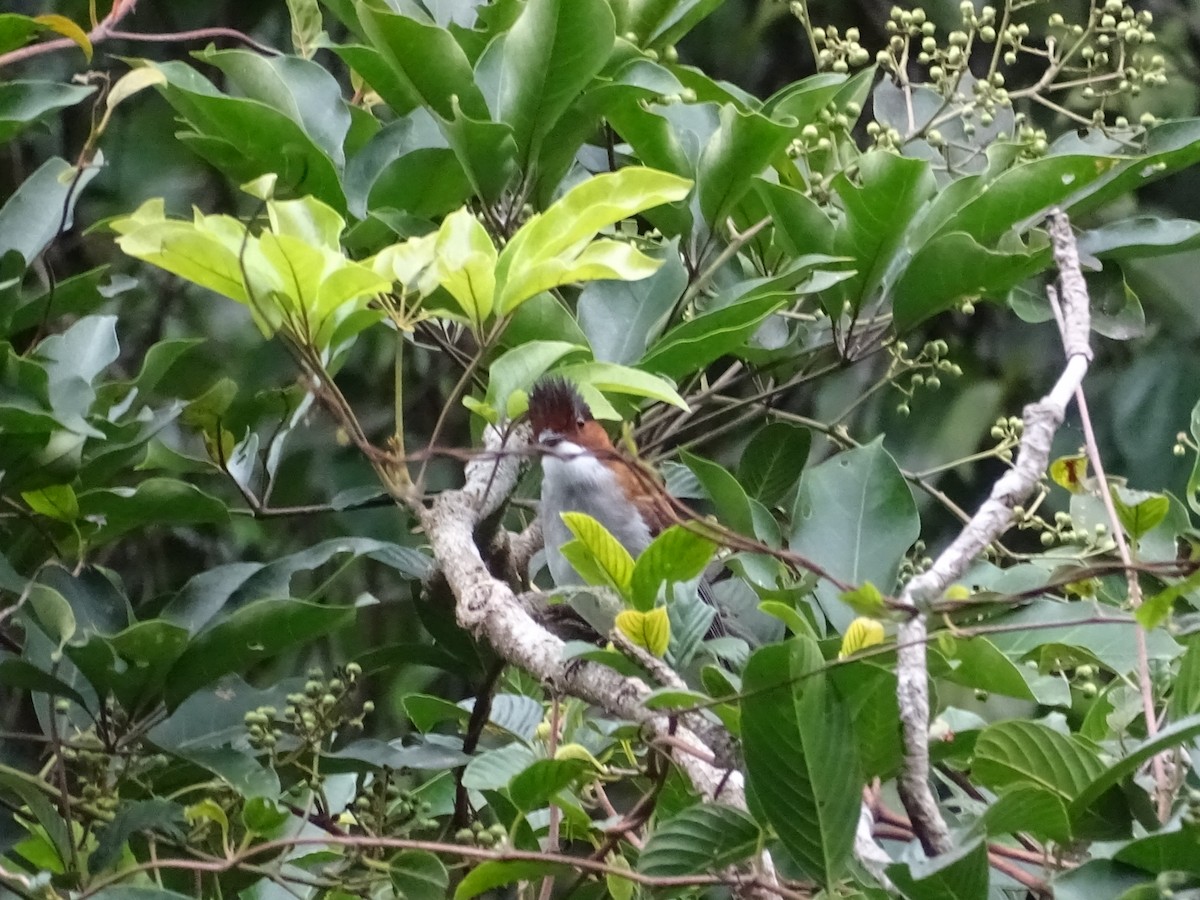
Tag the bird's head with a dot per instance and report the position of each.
(559, 416)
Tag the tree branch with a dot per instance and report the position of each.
(994, 517)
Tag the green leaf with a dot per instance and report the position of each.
(418, 875)
(1185, 692)
(15, 31)
(157, 815)
(678, 554)
(622, 318)
(1167, 851)
(1049, 623)
(427, 61)
(959, 874)
(727, 495)
(1139, 511)
(157, 502)
(955, 267)
(305, 92)
(555, 247)
(800, 757)
(54, 612)
(1033, 810)
(42, 206)
(253, 633)
(538, 785)
(1029, 753)
(649, 630)
(1154, 610)
(24, 675)
(519, 368)
(55, 502)
(1025, 193)
(24, 102)
(260, 815)
(703, 838)
(545, 60)
(880, 207)
(490, 875)
(744, 144)
(1173, 735)
(1140, 236)
(600, 552)
(248, 138)
(773, 461)
(306, 26)
(856, 514)
(691, 346)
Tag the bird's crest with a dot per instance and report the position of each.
(556, 405)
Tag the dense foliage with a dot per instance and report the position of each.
(260, 306)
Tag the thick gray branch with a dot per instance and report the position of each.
(488, 608)
(994, 517)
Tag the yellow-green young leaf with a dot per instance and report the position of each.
(67, 29)
(54, 612)
(208, 810)
(1139, 511)
(1070, 472)
(580, 752)
(410, 262)
(563, 232)
(958, 592)
(862, 633)
(795, 622)
(649, 630)
(200, 255)
(593, 377)
(1154, 610)
(306, 26)
(57, 501)
(127, 85)
(865, 600)
(602, 259)
(618, 888)
(613, 560)
(466, 264)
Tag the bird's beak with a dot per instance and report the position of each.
(549, 438)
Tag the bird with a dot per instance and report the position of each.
(583, 472)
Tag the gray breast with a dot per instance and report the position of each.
(574, 481)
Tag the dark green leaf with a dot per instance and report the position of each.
(1029, 753)
(727, 495)
(543, 63)
(162, 816)
(41, 207)
(253, 633)
(156, 502)
(856, 514)
(702, 838)
(690, 347)
(800, 760)
(538, 785)
(418, 875)
(955, 267)
(960, 874)
(773, 461)
(1029, 809)
(25, 102)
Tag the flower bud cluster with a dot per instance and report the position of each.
(926, 369)
(312, 716)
